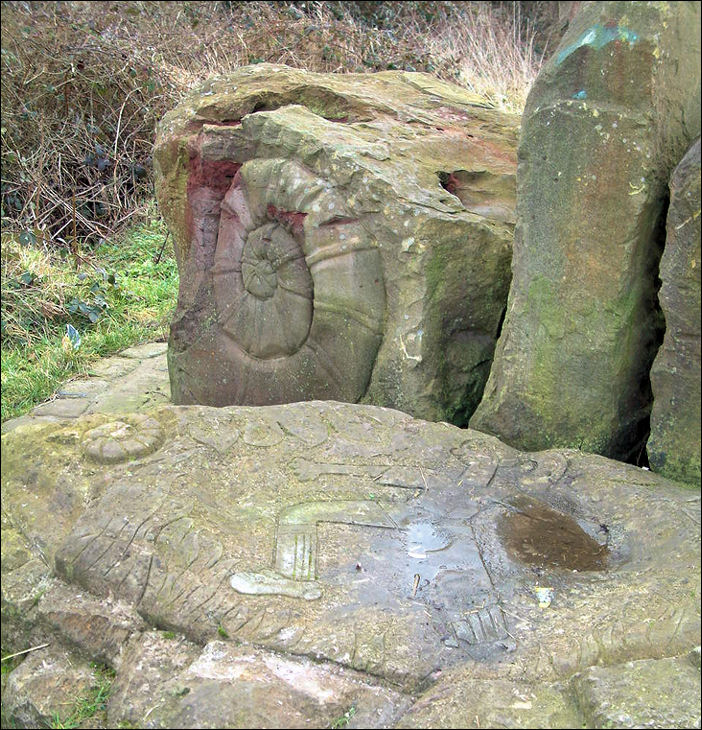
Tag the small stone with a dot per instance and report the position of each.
(45, 688)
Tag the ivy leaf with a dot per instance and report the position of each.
(27, 238)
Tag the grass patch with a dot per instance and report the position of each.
(93, 704)
(117, 295)
(343, 720)
(9, 663)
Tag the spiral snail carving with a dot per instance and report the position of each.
(298, 288)
(339, 237)
(135, 436)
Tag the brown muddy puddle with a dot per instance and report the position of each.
(534, 533)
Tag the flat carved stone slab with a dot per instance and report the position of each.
(354, 536)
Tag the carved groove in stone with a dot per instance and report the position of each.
(478, 627)
(296, 540)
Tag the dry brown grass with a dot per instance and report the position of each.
(84, 83)
(492, 53)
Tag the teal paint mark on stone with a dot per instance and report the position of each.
(597, 37)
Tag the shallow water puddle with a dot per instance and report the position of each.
(534, 533)
(424, 538)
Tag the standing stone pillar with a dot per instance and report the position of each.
(674, 445)
(610, 115)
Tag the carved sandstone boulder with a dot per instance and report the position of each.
(674, 444)
(610, 115)
(337, 236)
(262, 567)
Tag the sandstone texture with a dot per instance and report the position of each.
(322, 563)
(37, 691)
(608, 118)
(340, 237)
(674, 444)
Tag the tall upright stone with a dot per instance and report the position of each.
(610, 115)
(674, 445)
(338, 236)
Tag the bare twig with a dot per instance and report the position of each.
(157, 258)
(25, 651)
